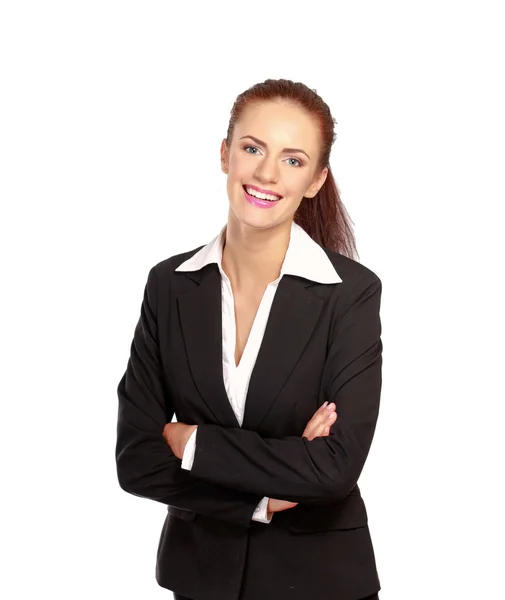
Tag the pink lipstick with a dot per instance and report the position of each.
(260, 203)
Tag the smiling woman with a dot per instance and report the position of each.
(282, 132)
(265, 343)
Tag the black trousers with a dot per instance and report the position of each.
(372, 597)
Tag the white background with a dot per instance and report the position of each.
(111, 118)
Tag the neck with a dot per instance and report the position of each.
(253, 257)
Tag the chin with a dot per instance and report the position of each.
(250, 219)
(256, 218)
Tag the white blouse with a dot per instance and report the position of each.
(304, 258)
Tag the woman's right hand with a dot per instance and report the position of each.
(318, 426)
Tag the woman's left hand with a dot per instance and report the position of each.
(177, 436)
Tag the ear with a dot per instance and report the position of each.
(317, 184)
(224, 157)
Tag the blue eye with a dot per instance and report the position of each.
(300, 164)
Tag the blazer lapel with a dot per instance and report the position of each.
(293, 316)
(201, 323)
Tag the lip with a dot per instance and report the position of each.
(266, 204)
(258, 189)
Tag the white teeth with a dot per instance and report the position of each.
(261, 196)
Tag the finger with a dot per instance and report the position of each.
(329, 421)
(327, 416)
(311, 427)
(320, 410)
(309, 434)
(316, 424)
(321, 415)
(316, 431)
(324, 428)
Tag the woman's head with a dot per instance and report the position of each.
(279, 139)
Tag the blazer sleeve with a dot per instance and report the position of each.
(146, 466)
(325, 469)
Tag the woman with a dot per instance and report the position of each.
(265, 343)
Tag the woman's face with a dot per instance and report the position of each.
(275, 147)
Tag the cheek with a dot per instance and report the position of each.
(295, 185)
(238, 165)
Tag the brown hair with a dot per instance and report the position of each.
(323, 217)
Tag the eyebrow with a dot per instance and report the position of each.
(264, 145)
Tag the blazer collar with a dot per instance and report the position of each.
(304, 257)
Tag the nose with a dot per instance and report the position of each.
(267, 170)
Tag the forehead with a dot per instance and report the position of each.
(279, 123)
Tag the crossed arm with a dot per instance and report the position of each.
(234, 469)
(182, 440)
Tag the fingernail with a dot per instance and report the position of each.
(325, 403)
(326, 429)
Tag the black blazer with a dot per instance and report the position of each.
(322, 342)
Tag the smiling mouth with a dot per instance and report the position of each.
(260, 196)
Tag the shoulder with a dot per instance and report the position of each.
(359, 294)
(160, 279)
(167, 266)
(351, 271)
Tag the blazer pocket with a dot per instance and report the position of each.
(182, 513)
(350, 513)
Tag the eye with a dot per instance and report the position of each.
(246, 147)
(300, 164)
